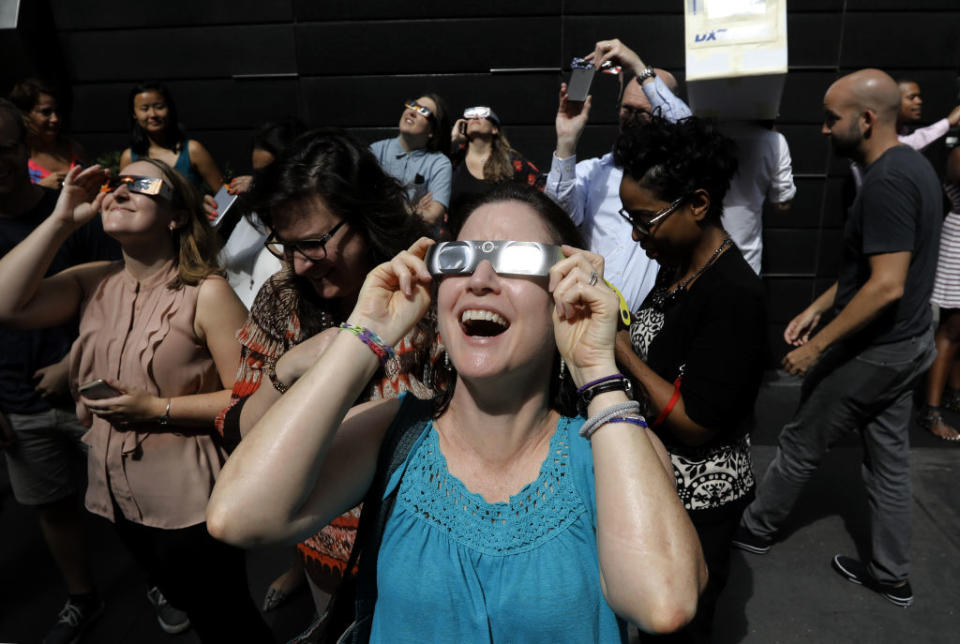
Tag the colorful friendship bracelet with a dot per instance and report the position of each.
(383, 350)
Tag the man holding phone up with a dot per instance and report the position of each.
(590, 190)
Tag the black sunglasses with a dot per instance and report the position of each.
(645, 227)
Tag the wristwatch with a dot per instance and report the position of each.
(645, 74)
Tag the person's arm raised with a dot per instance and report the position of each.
(27, 299)
(307, 459)
(651, 565)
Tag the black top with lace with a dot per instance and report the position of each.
(712, 336)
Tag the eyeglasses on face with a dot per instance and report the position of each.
(645, 227)
(312, 249)
(422, 110)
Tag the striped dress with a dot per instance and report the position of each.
(946, 286)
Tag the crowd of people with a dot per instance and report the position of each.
(517, 401)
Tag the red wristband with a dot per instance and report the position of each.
(670, 405)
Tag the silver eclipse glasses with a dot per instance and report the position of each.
(525, 259)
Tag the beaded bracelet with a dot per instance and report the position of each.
(383, 350)
(630, 407)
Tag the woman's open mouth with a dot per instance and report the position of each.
(482, 323)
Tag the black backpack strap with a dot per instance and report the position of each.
(406, 428)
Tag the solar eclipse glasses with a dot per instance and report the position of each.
(153, 186)
(524, 259)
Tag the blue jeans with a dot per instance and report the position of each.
(868, 392)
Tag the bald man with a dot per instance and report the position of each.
(590, 190)
(861, 367)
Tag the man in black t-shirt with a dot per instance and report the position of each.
(861, 367)
(39, 432)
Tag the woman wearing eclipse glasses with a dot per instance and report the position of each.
(334, 215)
(483, 157)
(417, 157)
(152, 366)
(696, 348)
(512, 520)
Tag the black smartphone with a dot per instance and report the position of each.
(97, 389)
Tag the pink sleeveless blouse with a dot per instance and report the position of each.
(142, 335)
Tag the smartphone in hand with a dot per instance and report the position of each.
(97, 389)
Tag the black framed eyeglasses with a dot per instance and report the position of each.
(644, 228)
(312, 249)
(422, 110)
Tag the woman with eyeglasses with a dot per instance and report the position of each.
(52, 153)
(696, 346)
(152, 366)
(483, 157)
(334, 215)
(513, 519)
(417, 156)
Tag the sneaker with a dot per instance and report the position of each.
(749, 542)
(853, 570)
(73, 621)
(171, 619)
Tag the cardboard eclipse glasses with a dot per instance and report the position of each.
(524, 259)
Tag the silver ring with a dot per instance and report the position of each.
(594, 278)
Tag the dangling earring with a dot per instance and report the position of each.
(446, 360)
(563, 368)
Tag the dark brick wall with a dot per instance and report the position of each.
(351, 63)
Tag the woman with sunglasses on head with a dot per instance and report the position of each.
(696, 346)
(334, 215)
(52, 153)
(157, 329)
(417, 156)
(483, 157)
(512, 519)
(156, 133)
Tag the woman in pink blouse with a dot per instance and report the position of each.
(158, 328)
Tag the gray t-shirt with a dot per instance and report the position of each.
(898, 209)
(420, 171)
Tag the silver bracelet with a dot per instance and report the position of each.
(630, 407)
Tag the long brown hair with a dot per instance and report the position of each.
(499, 165)
(195, 241)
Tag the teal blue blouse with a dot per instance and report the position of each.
(454, 568)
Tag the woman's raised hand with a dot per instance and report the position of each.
(80, 198)
(585, 315)
(395, 294)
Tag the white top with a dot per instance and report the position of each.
(590, 193)
(247, 262)
(764, 173)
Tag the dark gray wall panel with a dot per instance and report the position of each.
(786, 297)
(808, 147)
(451, 46)
(201, 104)
(883, 40)
(200, 52)
(804, 211)
(813, 39)
(116, 14)
(908, 5)
(802, 100)
(789, 250)
(620, 7)
(327, 10)
(519, 99)
(657, 39)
